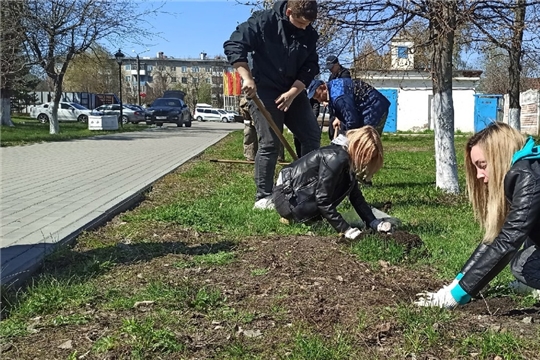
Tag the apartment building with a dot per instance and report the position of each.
(165, 72)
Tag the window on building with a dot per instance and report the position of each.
(195, 80)
(195, 69)
(184, 80)
(128, 78)
(149, 79)
(173, 79)
(161, 68)
(184, 69)
(209, 69)
(149, 67)
(208, 80)
(402, 52)
(173, 68)
(127, 67)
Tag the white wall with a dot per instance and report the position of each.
(464, 110)
(413, 110)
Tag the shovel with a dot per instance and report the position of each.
(274, 127)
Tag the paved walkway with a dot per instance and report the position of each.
(51, 192)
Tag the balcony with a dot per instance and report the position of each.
(141, 72)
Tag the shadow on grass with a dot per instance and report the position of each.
(75, 267)
(69, 262)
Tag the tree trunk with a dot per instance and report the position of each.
(5, 108)
(54, 127)
(514, 69)
(442, 28)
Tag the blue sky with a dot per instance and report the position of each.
(191, 27)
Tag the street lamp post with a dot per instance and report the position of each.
(119, 57)
(139, 76)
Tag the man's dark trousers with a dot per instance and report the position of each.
(299, 119)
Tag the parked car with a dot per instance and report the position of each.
(129, 113)
(236, 116)
(168, 110)
(212, 114)
(67, 111)
(178, 94)
(229, 116)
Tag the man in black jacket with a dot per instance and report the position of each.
(337, 71)
(285, 61)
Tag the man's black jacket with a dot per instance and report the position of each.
(522, 191)
(340, 74)
(282, 53)
(317, 183)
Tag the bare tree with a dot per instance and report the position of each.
(198, 88)
(161, 81)
(58, 30)
(12, 62)
(512, 26)
(93, 71)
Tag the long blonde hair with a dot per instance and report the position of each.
(499, 142)
(365, 149)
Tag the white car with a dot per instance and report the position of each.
(230, 117)
(67, 111)
(211, 114)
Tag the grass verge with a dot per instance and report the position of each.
(30, 131)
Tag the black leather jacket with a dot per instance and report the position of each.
(317, 183)
(522, 191)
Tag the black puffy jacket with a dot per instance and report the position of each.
(522, 191)
(282, 53)
(317, 183)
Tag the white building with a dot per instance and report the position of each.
(411, 93)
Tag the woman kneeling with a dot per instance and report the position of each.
(314, 185)
(503, 181)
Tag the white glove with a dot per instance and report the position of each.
(352, 233)
(385, 227)
(442, 298)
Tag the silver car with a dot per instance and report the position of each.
(129, 114)
(67, 111)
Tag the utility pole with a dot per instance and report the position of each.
(138, 81)
(139, 75)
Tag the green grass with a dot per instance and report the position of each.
(218, 259)
(310, 346)
(29, 131)
(210, 204)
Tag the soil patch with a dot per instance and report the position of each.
(276, 287)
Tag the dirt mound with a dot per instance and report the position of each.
(277, 286)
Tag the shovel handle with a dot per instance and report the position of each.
(274, 127)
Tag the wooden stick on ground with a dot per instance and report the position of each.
(241, 161)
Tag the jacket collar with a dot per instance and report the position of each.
(341, 140)
(529, 151)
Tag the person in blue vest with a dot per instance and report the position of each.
(503, 182)
(354, 102)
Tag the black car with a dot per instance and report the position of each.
(168, 110)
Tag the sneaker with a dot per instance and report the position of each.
(521, 288)
(264, 204)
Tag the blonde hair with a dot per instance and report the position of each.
(365, 149)
(498, 142)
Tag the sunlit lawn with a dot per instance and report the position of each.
(29, 131)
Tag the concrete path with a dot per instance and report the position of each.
(50, 192)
